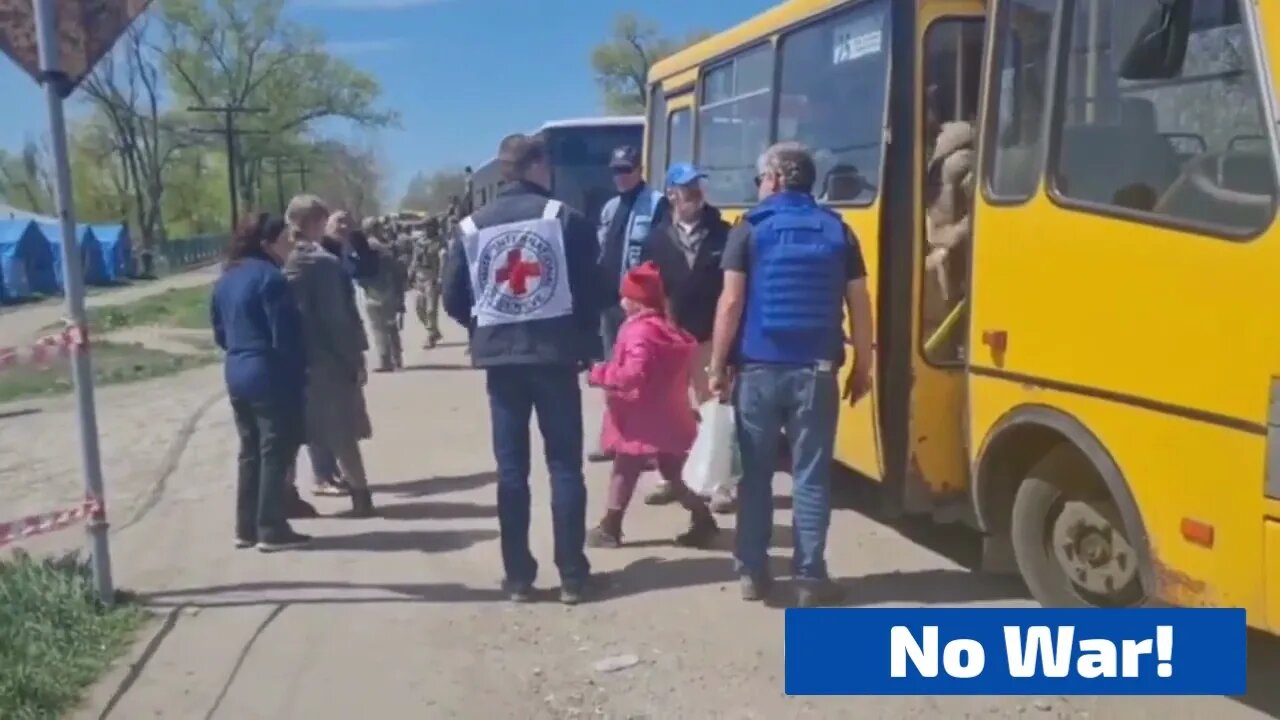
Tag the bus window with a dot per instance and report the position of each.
(1014, 165)
(952, 61)
(656, 160)
(1116, 153)
(832, 98)
(681, 135)
(733, 122)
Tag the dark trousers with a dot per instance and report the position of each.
(552, 391)
(270, 434)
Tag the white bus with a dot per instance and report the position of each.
(579, 152)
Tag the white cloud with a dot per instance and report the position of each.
(363, 47)
(369, 4)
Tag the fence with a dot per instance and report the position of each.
(175, 255)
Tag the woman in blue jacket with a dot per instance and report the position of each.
(257, 323)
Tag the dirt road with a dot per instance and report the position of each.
(400, 617)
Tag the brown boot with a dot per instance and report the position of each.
(702, 531)
(361, 504)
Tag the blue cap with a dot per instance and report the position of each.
(683, 174)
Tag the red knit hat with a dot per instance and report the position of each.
(644, 285)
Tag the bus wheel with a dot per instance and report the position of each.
(1071, 546)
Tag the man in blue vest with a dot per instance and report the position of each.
(521, 277)
(625, 222)
(791, 267)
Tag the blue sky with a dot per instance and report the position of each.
(461, 73)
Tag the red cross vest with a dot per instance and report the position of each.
(518, 270)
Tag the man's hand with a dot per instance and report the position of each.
(720, 383)
(858, 383)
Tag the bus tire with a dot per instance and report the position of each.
(1062, 498)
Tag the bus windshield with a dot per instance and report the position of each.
(580, 174)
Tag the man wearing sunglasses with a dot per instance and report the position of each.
(625, 223)
(791, 269)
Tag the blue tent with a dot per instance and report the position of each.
(90, 252)
(117, 251)
(26, 262)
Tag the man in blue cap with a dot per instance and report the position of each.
(687, 245)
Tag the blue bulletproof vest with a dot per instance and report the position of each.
(795, 284)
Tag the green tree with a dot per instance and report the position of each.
(622, 63)
(25, 181)
(431, 192)
(348, 177)
(244, 53)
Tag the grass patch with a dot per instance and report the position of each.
(57, 638)
(113, 363)
(174, 308)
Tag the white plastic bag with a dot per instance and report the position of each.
(711, 460)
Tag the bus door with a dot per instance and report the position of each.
(950, 37)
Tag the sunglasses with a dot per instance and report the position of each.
(623, 170)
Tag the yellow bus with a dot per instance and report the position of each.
(1090, 375)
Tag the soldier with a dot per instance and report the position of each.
(425, 270)
(384, 300)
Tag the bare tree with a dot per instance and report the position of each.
(127, 88)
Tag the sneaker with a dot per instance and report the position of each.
(754, 589)
(818, 593)
(662, 495)
(572, 592)
(701, 534)
(287, 540)
(518, 592)
(245, 543)
(599, 537)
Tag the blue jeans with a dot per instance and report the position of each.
(553, 392)
(804, 401)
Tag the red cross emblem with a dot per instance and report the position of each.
(517, 272)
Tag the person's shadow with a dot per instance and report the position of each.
(436, 485)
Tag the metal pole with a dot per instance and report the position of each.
(231, 174)
(73, 274)
(302, 170)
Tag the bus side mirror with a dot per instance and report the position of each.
(1160, 47)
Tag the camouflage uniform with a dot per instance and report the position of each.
(428, 250)
(384, 302)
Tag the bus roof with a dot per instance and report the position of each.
(610, 121)
(606, 121)
(747, 32)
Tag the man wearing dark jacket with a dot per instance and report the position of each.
(521, 276)
(687, 246)
(625, 222)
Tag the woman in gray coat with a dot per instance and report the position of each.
(337, 419)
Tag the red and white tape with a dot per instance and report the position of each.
(34, 525)
(43, 351)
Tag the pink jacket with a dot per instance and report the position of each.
(646, 384)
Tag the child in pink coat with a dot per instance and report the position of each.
(648, 418)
